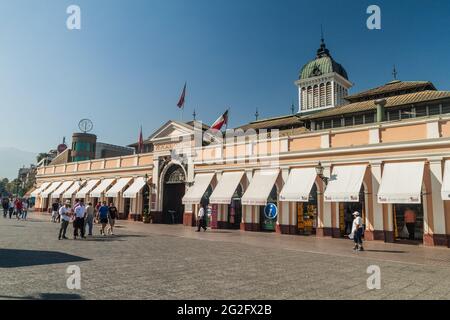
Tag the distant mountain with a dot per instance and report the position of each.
(12, 159)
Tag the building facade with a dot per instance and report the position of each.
(384, 152)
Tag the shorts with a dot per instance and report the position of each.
(112, 222)
(103, 220)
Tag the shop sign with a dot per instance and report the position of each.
(271, 211)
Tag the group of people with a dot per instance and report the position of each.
(15, 207)
(83, 218)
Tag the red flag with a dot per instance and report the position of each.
(223, 119)
(182, 100)
(140, 142)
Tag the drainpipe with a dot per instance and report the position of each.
(380, 103)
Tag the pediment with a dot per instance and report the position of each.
(171, 131)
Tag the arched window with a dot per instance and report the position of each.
(328, 90)
(316, 96)
(322, 95)
(310, 98)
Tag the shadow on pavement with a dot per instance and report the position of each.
(46, 296)
(386, 251)
(13, 258)
(113, 237)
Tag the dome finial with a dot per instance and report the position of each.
(394, 72)
(322, 51)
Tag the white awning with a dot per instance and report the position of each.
(43, 186)
(345, 184)
(117, 188)
(50, 189)
(195, 193)
(445, 191)
(74, 188)
(226, 187)
(298, 185)
(63, 187)
(401, 183)
(101, 188)
(135, 188)
(87, 188)
(260, 187)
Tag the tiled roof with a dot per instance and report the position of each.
(277, 122)
(404, 99)
(392, 87)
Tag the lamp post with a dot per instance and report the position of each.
(319, 171)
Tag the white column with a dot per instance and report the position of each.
(284, 204)
(375, 168)
(438, 203)
(327, 205)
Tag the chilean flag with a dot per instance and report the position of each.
(182, 100)
(223, 120)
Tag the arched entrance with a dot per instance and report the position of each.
(173, 192)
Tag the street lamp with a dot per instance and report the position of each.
(319, 171)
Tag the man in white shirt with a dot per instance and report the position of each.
(64, 213)
(201, 218)
(357, 231)
(78, 224)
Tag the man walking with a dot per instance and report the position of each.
(78, 224)
(103, 212)
(18, 207)
(90, 211)
(357, 231)
(201, 218)
(10, 208)
(5, 205)
(55, 209)
(64, 213)
(112, 216)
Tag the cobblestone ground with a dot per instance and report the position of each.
(173, 262)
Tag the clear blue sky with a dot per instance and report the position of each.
(127, 65)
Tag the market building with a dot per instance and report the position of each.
(384, 152)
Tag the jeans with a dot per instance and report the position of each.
(201, 224)
(90, 224)
(24, 214)
(411, 230)
(358, 236)
(63, 228)
(11, 211)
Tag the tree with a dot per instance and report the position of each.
(3, 187)
(41, 156)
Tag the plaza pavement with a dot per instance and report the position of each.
(174, 262)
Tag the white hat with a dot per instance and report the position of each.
(356, 213)
(68, 202)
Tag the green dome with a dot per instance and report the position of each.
(323, 64)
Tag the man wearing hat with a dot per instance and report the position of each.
(64, 213)
(357, 231)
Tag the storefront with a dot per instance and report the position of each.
(84, 192)
(346, 191)
(198, 194)
(262, 194)
(401, 190)
(226, 200)
(98, 194)
(46, 195)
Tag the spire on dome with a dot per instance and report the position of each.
(322, 51)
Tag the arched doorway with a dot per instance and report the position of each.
(173, 192)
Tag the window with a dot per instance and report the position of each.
(304, 99)
(393, 115)
(316, 96)
(337, 123)
(327, 124)
(434, 110)
(359, 120)
(446, 108)
(348, 121)
(421, 111)
(310, 98)
(328, 90)
(369, 118)
(405, 113)
(322, 95)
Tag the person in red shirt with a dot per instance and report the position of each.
(18, 206)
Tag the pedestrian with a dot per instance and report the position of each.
(357, 231)
(10, 208)
(64, 213)
(58, 217)
(90, 212)
(18, 207)
(103, 217)
(55, 211)
(78, 223)
(5, 206)
(112, 215)
(201, 218)
(24, 209)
